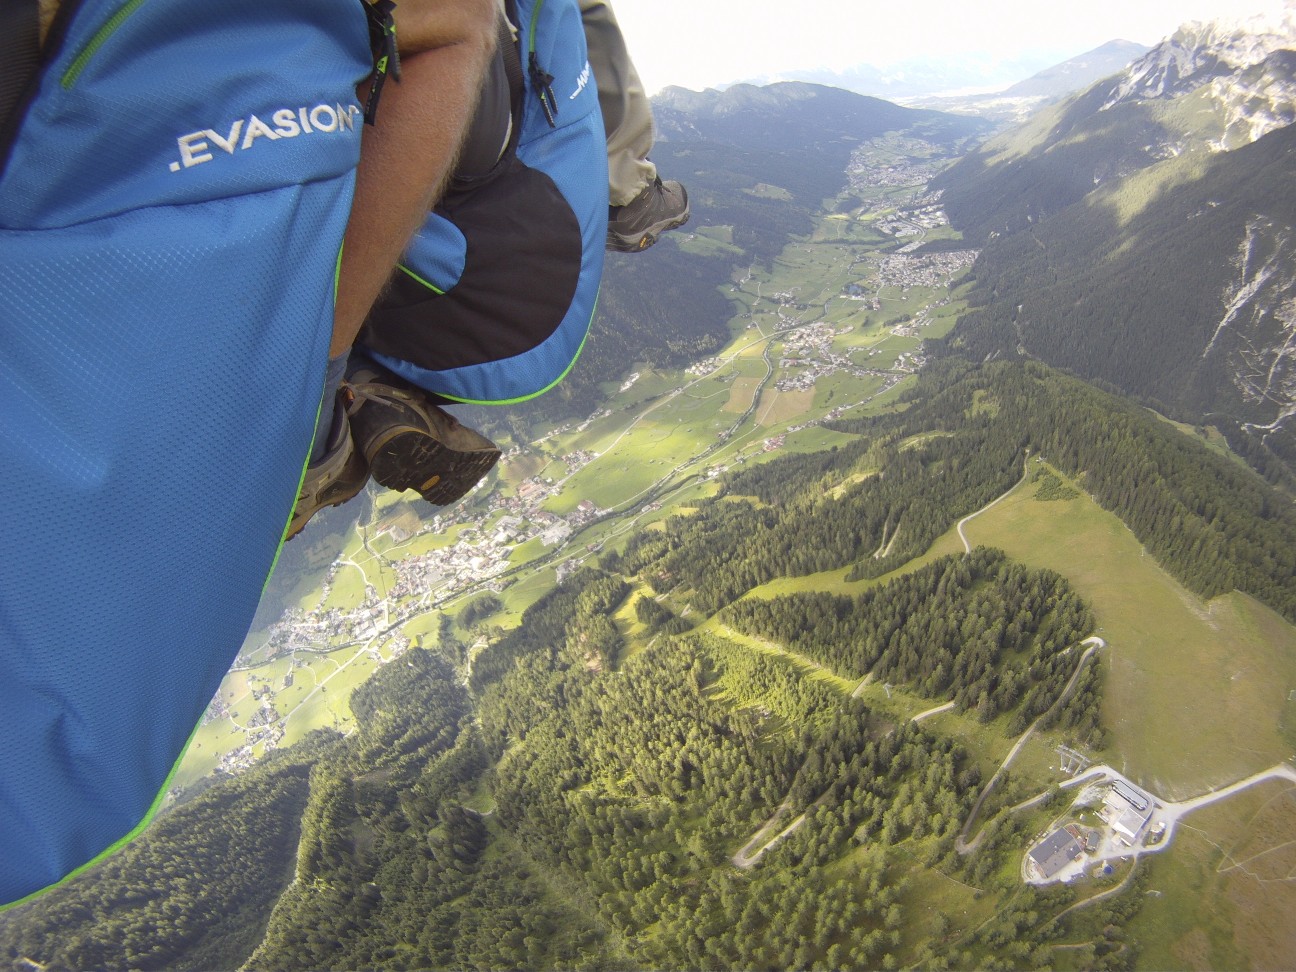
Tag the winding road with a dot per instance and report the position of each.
(761, 841)
(965, 846)
(967, 547)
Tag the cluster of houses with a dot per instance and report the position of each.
(928, 270)
(810, 348)
(1126, 811)
(700, 369)
(469, 560)
(322, 630)
(576, 461)
(868, 168)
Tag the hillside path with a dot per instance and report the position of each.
(967, 547)
(761, 841)
(963, 845)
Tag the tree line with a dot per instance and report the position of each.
(986, 631)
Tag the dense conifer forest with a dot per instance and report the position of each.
(1185, 315)
(567, 802)
(990, 633)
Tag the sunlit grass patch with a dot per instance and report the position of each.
(939, 908)
(780, 407)
(1196, 691)
(520, 596)
(706, 246)
(1223, 895)
(740, 394)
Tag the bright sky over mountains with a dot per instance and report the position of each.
(709, 43)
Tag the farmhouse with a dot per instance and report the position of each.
(1053, 853)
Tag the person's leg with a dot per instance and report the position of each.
(627, 114)
(406, 158)
(641, 206)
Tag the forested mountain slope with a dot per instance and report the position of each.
(1175, 284)
(195, 894)
(1125, 246)
(578, 807)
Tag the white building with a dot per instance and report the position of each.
(1127, 809)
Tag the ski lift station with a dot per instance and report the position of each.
(1126, 809)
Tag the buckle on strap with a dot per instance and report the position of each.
(382, 45)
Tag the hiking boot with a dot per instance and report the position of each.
(339, 475)
(636, 225)
(410, 443)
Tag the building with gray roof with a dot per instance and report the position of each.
(1053, 853)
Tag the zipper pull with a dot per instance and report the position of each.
(541, 82)
(382, 42)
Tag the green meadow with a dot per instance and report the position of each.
(1196, 692)
(1224, 896)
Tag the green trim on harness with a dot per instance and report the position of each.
(124, 841)
(96, 42)
(430, 286)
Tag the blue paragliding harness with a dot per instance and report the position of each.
(160, 375)
(161, 372)
(493, 298)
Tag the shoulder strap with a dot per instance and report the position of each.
(19, 58)
(512, 58)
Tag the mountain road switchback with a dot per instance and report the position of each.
(963, 845)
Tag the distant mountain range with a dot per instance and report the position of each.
(979, 85)
(921, 77)
(796, 120)
(1054, 83)
(1142, 233)
(1077, 72)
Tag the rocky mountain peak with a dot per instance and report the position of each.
(1245, 64)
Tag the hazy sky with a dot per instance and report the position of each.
(704, 43)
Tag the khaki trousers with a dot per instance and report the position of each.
(627, 114)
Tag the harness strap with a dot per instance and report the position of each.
(19, 62)
(382, 45)
(508, 46)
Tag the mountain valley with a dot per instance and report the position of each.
(918, 513)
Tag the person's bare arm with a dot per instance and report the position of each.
(407, 156)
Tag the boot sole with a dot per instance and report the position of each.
(633, 244)
(299, 521)
(408, 458)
